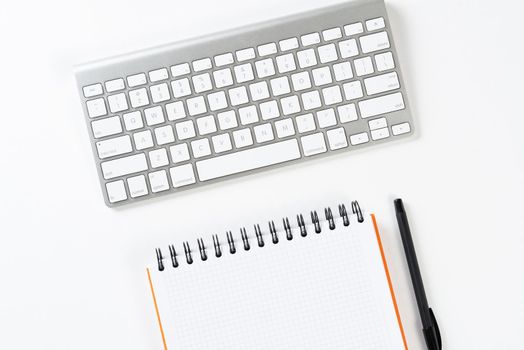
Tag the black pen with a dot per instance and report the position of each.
(429, 323)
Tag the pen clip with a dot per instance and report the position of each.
(432, 334)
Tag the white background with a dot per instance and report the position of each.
(72, 271)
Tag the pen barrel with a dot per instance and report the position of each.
(414, 269)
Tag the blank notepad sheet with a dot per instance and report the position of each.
(324, 291)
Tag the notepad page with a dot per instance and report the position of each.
(322, 291)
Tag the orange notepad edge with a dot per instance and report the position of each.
(156, 309)
(379, 241)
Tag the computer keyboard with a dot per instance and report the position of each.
(183, 115)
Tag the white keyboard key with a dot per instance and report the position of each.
(311, 100)
(353, 90)
(359, 139)
(375, 24)
(305, 123)
(137, 186)
(280, 86)
(96, 108)
(196, 105)
(378, 123)
(285, 128)
(223, 78)
(158, 75)
(301, 81)
(248, 115)
(115, 85)
(269, 110)
(400, 129)
(384, 61)
(245, 54)
(154, 116)
(265, 68)
(136, 80)
(263, 133)
(290, 105)
(182, 175)
(327, 53)
(288, 44)
(227, 120)
(379, 134)
(92, 90)
(206, 125)
(342, 71)
(381, 105)
(139, 98)
(353, 29)
(124, 166)
(164, 135)
(202, 82)
(221, 143)
(224, 59)
(332, 34)
(116, 191)
(179, 153)
(106, 127)
(348, 48)
(267, 49)
(143, 139)
(158, 181)
(244, 73)
(133, 121)
(363, 66)
(158, 158)
(337, 139)
(217, 101)
(286, 63)
(202, 64)
(313, 144)
(185, 130)
(238, 96)
(117, 103)
(259, 91)
(306, 58)
(180, 69)
(322, 76)
(114, 147)
(381, 83)
(181, 87)
(374, 42)
(200, 148)
(326, 118)
(310, 39)
(242, 138)
(175, 110)
(248, 160)
(160, 93)
(347, 113)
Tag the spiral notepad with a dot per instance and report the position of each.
(315, 282)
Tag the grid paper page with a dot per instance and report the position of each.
(322, 291)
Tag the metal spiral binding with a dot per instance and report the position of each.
(355, 207)
(258, 233)
(216, 244)
(302, 224)
(315, 221)
(172, 253)
(219, 252)
(273, 232)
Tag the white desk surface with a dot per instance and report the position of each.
(72, 270)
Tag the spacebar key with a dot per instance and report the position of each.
(250, 159)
